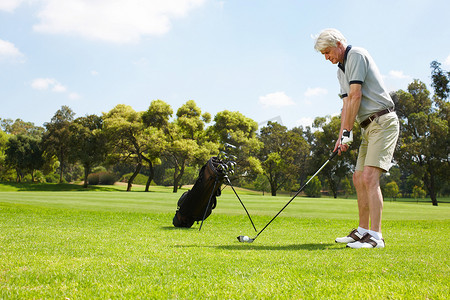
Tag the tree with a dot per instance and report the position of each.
(88, 143)
(322, 146)
(346, 186)
(236, 129)
(313, 188)
(56, 139)
(418, 193)
(20, 127)
(281, 154)
(6, 172)
(262, 184)
(424, 136)
(391, 190)
(24, 153)
(156, 122)
(187, 141)
(124, 129)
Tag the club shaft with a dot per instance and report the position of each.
(229, 182)
(296, 194)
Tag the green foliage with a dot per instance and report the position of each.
(346, 187)
(140, 179)
(24, 154)
(314, 187)
(282, 156)
(418, 192)
(56, 140)
(101, 178)
(150, 142)
(391, 190)
(424, 138)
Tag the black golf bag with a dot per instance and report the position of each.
(197, 204)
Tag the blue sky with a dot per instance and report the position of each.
(255, 57)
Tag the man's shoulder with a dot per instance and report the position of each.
(358, 51)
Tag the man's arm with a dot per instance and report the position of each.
(348, 114)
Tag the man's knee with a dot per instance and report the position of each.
(370, 176)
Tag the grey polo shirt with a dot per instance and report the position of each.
(360, 68)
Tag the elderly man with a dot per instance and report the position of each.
(366, 100)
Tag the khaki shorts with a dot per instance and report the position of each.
(378, 143)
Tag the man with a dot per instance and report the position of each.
(366, 100)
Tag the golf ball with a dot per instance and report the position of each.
(245, 238)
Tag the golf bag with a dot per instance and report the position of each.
(197, 204)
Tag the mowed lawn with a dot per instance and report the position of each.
(121, 245)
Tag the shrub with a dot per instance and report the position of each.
(313, 188)
(103, 178)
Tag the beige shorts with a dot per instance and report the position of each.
(378, 143)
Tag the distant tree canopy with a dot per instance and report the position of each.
(158, 143)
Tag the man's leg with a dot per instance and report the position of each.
(370, 206)
(363, 200)
(371, 182)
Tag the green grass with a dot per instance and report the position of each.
(104, 244)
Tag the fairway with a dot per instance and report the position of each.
(122, 245)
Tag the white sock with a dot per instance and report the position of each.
(376, 235)
(362, 231)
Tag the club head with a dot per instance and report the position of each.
(231, 164)
(245, 239)
(227, 145)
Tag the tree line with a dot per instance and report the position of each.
(168, 148)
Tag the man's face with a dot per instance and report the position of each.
(334, 54)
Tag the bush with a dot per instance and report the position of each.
(102, 178)
(313, 188)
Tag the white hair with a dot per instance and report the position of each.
(329, 38)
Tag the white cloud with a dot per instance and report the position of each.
(9, 5)
(94, 73)
(117, 21)
(398, 75)
(277, 99)
(447, 61)
(48, 84)
(314, 92)
(10, 52)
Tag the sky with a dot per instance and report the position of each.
(252, 56)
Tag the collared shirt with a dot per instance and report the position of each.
(360, 68)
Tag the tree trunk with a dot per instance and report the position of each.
(136, 172)
(86, 174)
(150, 177)
(177, 178)
(273, 188)
(428, 179)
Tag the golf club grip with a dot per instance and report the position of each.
(334, 154)
(298, 192)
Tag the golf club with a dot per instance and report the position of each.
(246, 239)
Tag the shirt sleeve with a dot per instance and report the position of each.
(356, 68)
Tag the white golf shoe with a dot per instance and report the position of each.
(367, 241)
(353, 236)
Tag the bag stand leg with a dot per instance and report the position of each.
(209, 203)
(229, 182)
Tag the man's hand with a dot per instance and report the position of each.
(342, 144)
(347, 137)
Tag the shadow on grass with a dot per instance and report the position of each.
(292, 247)
(177, 228)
